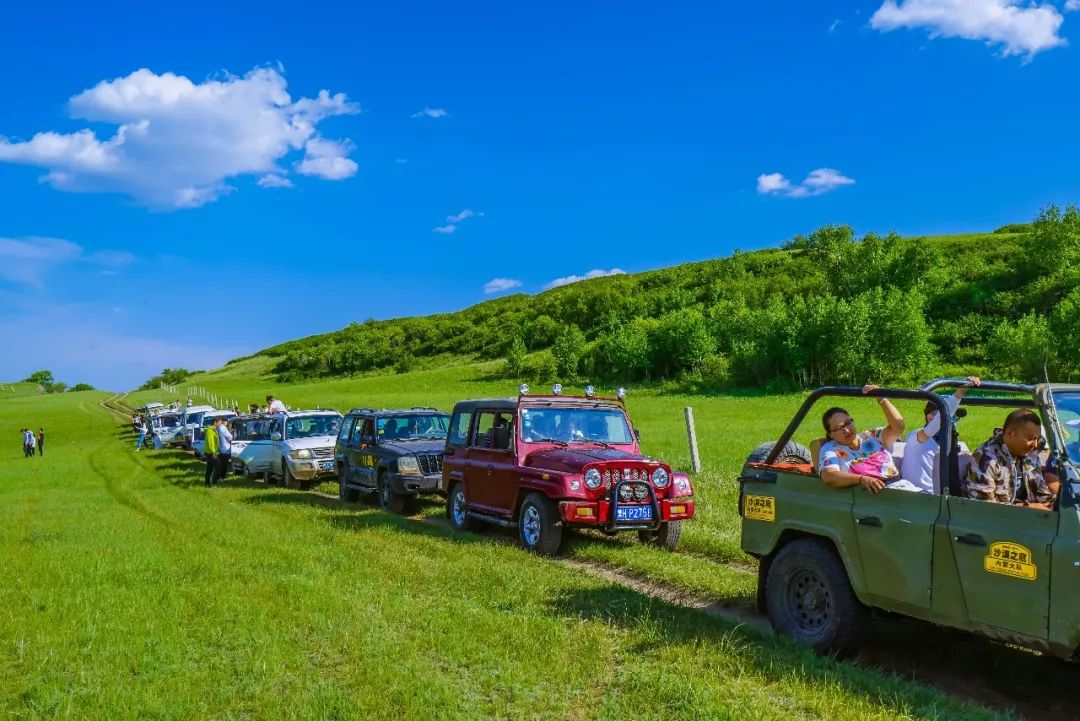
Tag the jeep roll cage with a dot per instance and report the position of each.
(947, 457)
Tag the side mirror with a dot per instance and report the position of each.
(275, 436)
(637, 434)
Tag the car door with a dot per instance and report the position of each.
(503, 474)
(895, 531)
(362, 452)
(480, 477)
(259, 454)
(1002, 554)
(341, 448)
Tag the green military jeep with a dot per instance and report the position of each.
(829, 556)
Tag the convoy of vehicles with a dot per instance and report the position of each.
(544, 463)
(828, 557)
(396, 454)
(190, 418)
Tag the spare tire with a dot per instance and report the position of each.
(792, 453)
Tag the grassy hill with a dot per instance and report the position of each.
(824, 308)
(18, 390)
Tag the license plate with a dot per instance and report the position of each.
(327, 465)
(633, 513)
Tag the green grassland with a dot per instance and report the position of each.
(131, 591)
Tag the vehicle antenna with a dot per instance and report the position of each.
(1059, 433)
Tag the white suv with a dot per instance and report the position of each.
(297, 448)
(206, 420)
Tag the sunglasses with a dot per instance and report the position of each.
(849, 423)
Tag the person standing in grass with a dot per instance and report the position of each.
(27, 443)
(224, 450)
(210, 453)
(41, 441)
(142, 430)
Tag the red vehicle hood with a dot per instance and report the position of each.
(572, 460)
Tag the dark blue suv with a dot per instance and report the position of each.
(396, 454)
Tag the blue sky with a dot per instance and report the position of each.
(463, 148)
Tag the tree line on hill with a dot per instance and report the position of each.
(824, 308)
(169, 377)
(48, 384)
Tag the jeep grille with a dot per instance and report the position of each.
(430, 464)
(323, 452)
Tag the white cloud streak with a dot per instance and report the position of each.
(497, 285)
(178, 143)
(818, 182)
(430, 113)
(597, 273)
(26, 260)
(453, 221)
(1019, 27)
(1072, 5)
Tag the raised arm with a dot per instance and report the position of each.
(894, 421)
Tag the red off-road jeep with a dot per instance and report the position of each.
(543, 463)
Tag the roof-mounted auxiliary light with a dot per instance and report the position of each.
(590, 391)
(556, 389)
(620, 394)
(523, 389)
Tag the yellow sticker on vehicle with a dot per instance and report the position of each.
(760, 508)
(1010, 559)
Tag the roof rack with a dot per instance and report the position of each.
(363, 410)
(423, 408)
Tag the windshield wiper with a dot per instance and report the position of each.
(556, 441)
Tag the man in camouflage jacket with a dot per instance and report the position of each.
(1007, 467)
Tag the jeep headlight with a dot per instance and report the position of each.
(660, 478)
(408, 464)
(300, 453)
(682, 487)
(593, 478)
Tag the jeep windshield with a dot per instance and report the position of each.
(403, 428)
(311, 426)
(1068, 412)
(575, 425)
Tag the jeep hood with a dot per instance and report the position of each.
(295, 444)
(424, 446)
(571, 460)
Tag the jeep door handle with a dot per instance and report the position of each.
(872, 521)
(971, 539)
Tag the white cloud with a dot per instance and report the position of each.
(453, 221)
(1072, 5)
(497, 285)
(178, 142)
(1021, 27)
(27, 260)
(402, 161)
(326, 159)
(463, 215)
(271, 180)
(818, 182)
(430, 113)
(835, 24)
(597, 273)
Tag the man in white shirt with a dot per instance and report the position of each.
(920, 448)
(274, 405)
(224, 451)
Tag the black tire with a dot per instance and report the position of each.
(539, 529)
(666, 537)
(808, 598)
(344, 492)
(792, 453)
(457, 508)
(288, 480)
(388, 500)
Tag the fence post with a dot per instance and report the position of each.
(695, 460)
